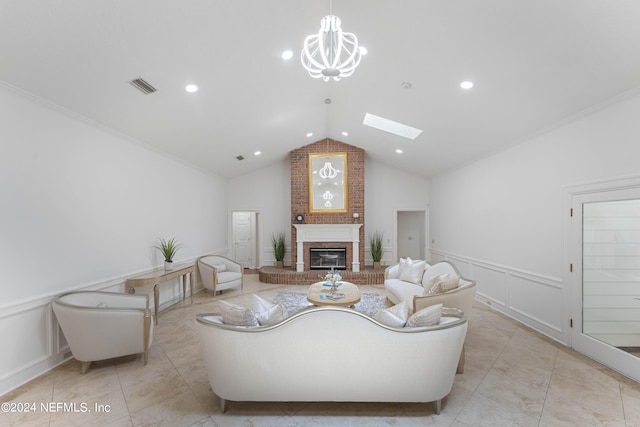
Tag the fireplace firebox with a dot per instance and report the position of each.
(327, 258)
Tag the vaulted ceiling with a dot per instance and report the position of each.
(534, 63)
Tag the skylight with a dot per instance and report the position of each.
(391, 126)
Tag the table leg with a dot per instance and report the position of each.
(183, 280)
(156, 300)
(191, 285)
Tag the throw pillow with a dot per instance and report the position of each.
(433, 286)
(267, 312)
(449, 283)
(443, 283)
(412, 271)
(404, 263)
(395, 316)
(233, 314)
(220, 267)
(428, 316)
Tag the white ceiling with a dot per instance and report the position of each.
(535, 64)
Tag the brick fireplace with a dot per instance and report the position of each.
(330, 235)
(343, 229)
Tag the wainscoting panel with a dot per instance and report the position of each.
(464, 266)
(27, 334)
(538, 300)
(492, 284)
(534, 300)
(436, 257)
(36, 342)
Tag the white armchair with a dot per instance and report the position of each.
(103, 325)
(219, 273)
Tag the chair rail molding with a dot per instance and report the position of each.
(533, 299)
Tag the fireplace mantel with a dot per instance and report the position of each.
(328, 233)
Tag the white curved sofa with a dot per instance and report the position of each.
(332, 354)
(102, 325)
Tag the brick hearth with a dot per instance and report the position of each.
(288, 276)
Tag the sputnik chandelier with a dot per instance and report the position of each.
(332, 53)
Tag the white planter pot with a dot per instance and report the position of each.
(168, 265)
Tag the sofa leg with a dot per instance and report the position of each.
(223, 405)
(85, 367)
(438, 406)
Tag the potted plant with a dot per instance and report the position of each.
(168, 248)
(279, 247)
(375, 240)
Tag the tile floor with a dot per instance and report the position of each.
(513, 376)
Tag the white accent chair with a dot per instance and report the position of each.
(104, 325)
(219, 273)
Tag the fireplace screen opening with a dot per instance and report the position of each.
(325, 259)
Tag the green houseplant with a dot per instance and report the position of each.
(375, 240)
(168, 248)
(279, 247)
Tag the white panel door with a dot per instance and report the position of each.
(606, 278)
(411, 234)
(242, 238)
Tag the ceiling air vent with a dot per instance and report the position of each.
(143, 86)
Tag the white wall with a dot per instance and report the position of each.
(500, 220)
(267, 191)
(387, 190)
(81, 207)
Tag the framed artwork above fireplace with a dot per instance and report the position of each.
(328, 182)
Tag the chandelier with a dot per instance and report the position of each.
(332, 53)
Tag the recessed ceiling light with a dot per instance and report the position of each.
(310, 134)
(345, 133)
(257, 153)
(191, 88)
(391, 126)
(287, 54)
(466, 85)
(399, 151)
(407, 85)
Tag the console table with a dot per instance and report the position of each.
(160, 276)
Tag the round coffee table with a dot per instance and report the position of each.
(320, 294)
